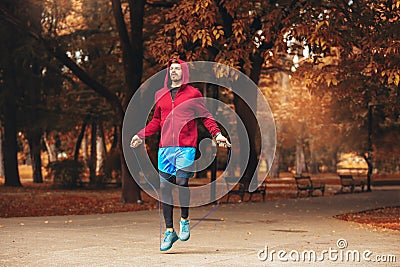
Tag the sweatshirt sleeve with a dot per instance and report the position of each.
(153, 126)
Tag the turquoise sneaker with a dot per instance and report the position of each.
(184, 233)
(169, 239)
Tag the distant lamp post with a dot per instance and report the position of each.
(369, 157)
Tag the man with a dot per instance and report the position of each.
(177, 105)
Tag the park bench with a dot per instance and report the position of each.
(304, 183)
(239, 188)
(347, 180)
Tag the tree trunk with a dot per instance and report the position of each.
(11, 172)
(369, 159)
(1, 153)
(300, 161)
(100, 149)
(115, 141)
(245, 112)
(103, 139)
(92, 161)
(79, 141)
(313, 155)
(34, 137)
(51, 147)
(252, 131)
(85, 149)
(33, 130)
(9, 106)
(334, 161)
(274, 172)
(133, 68)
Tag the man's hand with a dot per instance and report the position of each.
(136, 141)
(222, 140)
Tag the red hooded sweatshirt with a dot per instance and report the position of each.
(176, 118)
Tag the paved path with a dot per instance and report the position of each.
(234, 235)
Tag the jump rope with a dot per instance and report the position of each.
(227, 145)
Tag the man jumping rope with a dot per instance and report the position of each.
(177, 147)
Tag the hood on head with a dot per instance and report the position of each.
(185, 72)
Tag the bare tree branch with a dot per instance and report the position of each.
(160, 4)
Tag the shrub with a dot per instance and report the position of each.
(66, 173)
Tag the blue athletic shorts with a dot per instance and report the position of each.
(171, 159)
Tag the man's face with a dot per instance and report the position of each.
(175, 72)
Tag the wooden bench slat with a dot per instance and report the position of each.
(305, 183)
(347, 180)
(238, 188)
